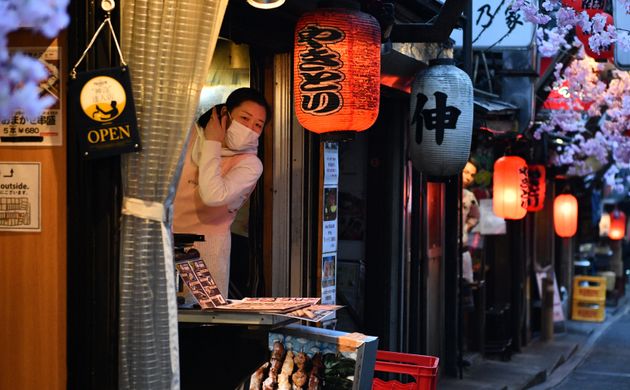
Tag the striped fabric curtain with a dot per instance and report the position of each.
(168, 45)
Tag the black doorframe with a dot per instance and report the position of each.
(384, 300)
(452, 275)
(417, 330)
(94, 198)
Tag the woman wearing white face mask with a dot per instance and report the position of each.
(220, 171)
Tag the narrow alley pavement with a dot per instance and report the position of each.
(585, 356)
(607, 365)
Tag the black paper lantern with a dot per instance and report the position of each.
(441, 119)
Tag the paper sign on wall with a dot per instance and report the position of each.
(331, 163)
(329, 233)
(329, 223)
(329, 279)
(20, 196)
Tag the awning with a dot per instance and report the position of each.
(486, 105)
(493, 114)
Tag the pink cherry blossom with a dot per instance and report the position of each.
(19, 74)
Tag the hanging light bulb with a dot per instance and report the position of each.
(265, 4)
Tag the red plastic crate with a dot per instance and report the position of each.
(422, 368)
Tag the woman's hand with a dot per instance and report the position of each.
(217, 125)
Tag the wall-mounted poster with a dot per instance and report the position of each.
(331, 163)
(329, 278)
(20, 196)
(329, 234)
(45, 130)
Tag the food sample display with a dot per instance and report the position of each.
(307, 358)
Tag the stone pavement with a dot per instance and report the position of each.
(540, 365)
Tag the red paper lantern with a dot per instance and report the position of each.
(579, 5)
(560, 98)
(537, 187)
(575, 4)
(337, 65)
(565, 215)
(617, 229)
(583, 37)
(510, 187)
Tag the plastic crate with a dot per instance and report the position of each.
(589, 288)
(588, 311)
(422, 368)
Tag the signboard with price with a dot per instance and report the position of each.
(45, 130)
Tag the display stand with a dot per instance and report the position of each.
(220, 350)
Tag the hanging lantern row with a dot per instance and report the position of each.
(536, 176)
(441, 119)
(617, 229)
(337, 65)
(603, 55)
(565, 215)
(510, 189)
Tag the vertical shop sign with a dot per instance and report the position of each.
(20, 196)
(329, 223)
(497, 26)
(331, 180)
(45, 130)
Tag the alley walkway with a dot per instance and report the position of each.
(587, 356)
(607, 365)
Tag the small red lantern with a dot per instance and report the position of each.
(575, 4)
(583, 37)
(565, 215)
(617, 229)
(337, 65)
(537, 187)
(560, 98)
(510, 187)
(579, 5)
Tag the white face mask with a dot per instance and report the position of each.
(239, 137)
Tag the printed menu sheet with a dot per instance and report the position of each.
(200, 283)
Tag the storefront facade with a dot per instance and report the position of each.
(397, 257)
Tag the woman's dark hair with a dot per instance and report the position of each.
(235, 99)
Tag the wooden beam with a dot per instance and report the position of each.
(439, 30)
